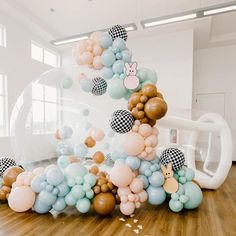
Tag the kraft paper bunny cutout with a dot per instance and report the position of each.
(131, 81)
(171, 185)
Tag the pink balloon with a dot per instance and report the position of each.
(137, 204)
(137, 122)
(143, 154)
(96, 36)
(133, 144)
(131, 197)
(143, 196)
(151, 156)
(79, 59)
(135, 128)
(87, 57)
(152, 139)
(136, 186)
(16, 184)
(121, 175)
(90, 42)
(97, 63)
(123, 198)
(22, 176)
(127, 208)
(38, 170)
(145, 130)
(155, 131)
(82, 46)
(148, 150)
(97, 50)
(97, 134)
(89, 48)
(27, 181)
(148, 142)
(21, 199)
(123, 191)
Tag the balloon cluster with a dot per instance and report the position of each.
(89, 51)
(141, 141)
(81, 183)
(22, 197)
(130, 188)
(147, 105)
(51, 188)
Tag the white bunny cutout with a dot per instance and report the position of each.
(131, 81)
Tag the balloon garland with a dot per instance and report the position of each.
(137, 174)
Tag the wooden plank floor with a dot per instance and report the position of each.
(215, 216)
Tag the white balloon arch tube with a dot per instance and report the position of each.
(211, 123)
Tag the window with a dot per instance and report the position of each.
(46, 117)
(3, 106)
(3, 36)
(44, 55)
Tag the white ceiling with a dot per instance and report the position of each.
(72, 17)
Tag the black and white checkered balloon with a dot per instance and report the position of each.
(5, 163)
(121, 121)
(118, 31)
(173, 155)
(99, 86)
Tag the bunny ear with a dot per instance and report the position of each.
(134, 65)
(169, 167)
(127, 66)
(163, 168)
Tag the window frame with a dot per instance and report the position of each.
(4, 96)
(3, 36)
(58, 56)
(44, 101)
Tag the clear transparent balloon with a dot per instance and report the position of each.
(56, 100)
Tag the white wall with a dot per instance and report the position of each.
(215, 72)
(16, 63)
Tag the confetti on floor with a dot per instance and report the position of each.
(122, 219)
(136, 231)
(135, 221)
(132, 215)
(128, 225)
(140, 226)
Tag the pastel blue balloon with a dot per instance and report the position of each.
(90, 194)
(122, 76)
(156, 179)
(154, 168)
(149, 75)
(55, 191)
(107, 72)
(183, 199)
(126, 56)
(85, 112)
(63, 148)
(54, 176)
(36, 184)
(127, 96)
(156, 196)
(116, 76)
(83, 205)
(108, 58)
(116, 89)
(79, 180)
(106, 40)
(148, 172)
(181, 189)
(86, 85)
(119, 43)
(90, 178)
(1, 182)
(75, 169)
(80, 150)
(195, 195)
(71, 182)
(49, 167)
(63, 189)
(47, 198)
(115, 155)
(133, 162)
(78, 192)
(118, 56)
(43, 184)
(175, 196)
(49, 188)
(118, 67)
(142, 75)
(65, 132)
(181, 173)
(182, 180)
(115, 49)
(189, 174)
(86, 187)
(63, 161)
(175, 206)
(60, 204)
(70, 200)
(144, 166)
(40, 208)
(145, 180)
(66, 83)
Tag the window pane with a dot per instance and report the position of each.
(36, 52)
(38, 117)
(2, 121)
(50, 94)
(50, 58)
(37, 91)
(1, 84)
(50, 117)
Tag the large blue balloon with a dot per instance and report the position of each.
(47, 198)
(83, 205)
(60, 204)
(126, 56)
(75, 169)
(145, 180)
(156, 179)
(86, 85)
(116, 89)
(36, 184)
(107, 72)
(118, 67)
(40, 208)
(63, 189)
(119, 43)
(195, 195)
(133, 162)
(106, 40)
(54, 176)
(70, 200)
(80, 150)
(156, 196)
(108, 58)
(145, 165)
